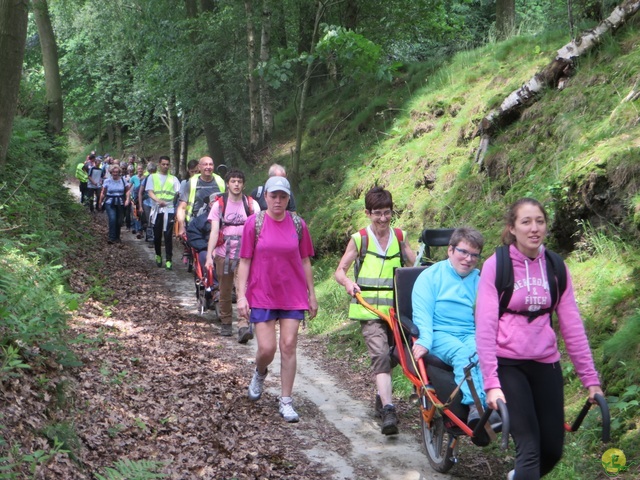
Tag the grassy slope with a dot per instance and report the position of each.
(415, 137)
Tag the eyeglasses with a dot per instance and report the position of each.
(465, 253)
(380, 214)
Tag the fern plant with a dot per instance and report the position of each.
(126, 469)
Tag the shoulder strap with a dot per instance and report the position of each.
(298, 224)
(400, 236)
(362, 251)
(504, 277)
(222, 202)
(259, 224)
(557, 276)
(246, 203)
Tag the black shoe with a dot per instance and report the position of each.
(244, 334)
(226, 330)
(473, 418)
(389, 420)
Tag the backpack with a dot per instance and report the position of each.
(260, 222)
(556, 276)
(364, 245)
(222, 204)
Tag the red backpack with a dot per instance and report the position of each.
(247, 201)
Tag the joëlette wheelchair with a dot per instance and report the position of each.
(444, 422)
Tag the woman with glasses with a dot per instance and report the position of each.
(518, 348)
(114, 199)
(376, 250)
(443, 300)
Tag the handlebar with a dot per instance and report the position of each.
(606, 417)
(480, 434)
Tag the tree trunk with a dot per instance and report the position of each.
(53, 86)
(295, 167)
(254, 108)
(118, 137)
(351, 15)
(174, 134)
(13, 36)
(505, 18)
(191, 8)
(279, 33)
(214, 144)
(552, 76)
(184, 145)
(265, 95)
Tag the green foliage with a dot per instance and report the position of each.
(357, 57)
(11, 361)
(126, 469)
(11, 466)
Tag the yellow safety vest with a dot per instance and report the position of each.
(375, 278)
(165, 191)
(81, 174)
(193, 184)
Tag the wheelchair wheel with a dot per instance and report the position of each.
(438, 443)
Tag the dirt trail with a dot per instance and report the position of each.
(159, 383)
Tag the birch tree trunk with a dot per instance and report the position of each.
(550, 77)
(254, 108)
(184, 145)
(265, 95)
(174, 134)
(53, 85)
(13, 36)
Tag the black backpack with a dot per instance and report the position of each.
(556, 276)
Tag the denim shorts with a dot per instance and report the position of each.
(259, 315)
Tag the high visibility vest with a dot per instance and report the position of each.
(193, 185)
(375, 278)
(165, 191)
(81, 174)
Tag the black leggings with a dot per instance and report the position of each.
(167, 234)
(535, 401)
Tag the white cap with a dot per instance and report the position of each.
(277, 184)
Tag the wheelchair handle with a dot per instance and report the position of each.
(606, 417)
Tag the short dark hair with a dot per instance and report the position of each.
(234, 173)
(377, 198)
(192, 164)
(164, 157)
(467, 234)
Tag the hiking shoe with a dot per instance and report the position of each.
(226, 330)
(168, 265)
(287, 412)
(389, 420)
(244, 334)
(257, 385)
(158, 261)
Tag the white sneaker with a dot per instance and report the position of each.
(257, 385)
(511, 475)
(288, 413)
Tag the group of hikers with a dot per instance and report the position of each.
(259, 246)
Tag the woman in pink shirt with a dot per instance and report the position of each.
(275, 283)
(518, 350)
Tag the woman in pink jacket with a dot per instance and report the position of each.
(518, 350)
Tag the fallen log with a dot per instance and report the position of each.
(552, 76)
